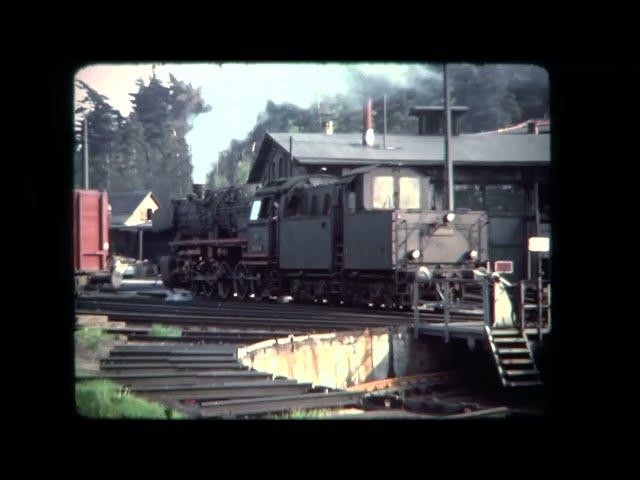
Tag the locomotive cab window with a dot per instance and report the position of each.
(314, 206)
(351, 202)
(409, 193)
(255, 210)
(294, 206)
(264, 208)
(326, 209)
(383, 192)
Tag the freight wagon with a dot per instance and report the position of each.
(92, 263)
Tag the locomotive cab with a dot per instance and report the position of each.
(261, 227)
(391, 223)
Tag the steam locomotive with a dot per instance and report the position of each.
(364, 237)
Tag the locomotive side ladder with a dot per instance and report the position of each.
(402, 284)
(338, 265)
(513, 356)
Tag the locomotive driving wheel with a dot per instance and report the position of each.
(241, 284)
(225, 280)
(297, 290)
(194, 284)
(208, 286)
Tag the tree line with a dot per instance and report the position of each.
(497, 95)
(146, 150)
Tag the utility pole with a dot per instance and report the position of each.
(108, 170)
(85, 150)
(384, 114)
(448, 161)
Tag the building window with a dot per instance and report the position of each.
(505, 199)
(544, 202)
(469, 196)
(409, 192)
(383, 192)
(149, 213)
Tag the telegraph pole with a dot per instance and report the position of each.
(384, 114)
(85, 150)
(448, 161)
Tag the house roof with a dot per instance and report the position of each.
(123, 204)
(418, 150)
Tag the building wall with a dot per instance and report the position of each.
(344, 359)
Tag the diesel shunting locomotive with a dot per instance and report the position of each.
(364, 237)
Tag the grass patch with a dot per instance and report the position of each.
(315, 414)
(105, 399)
(163, 331)
(90, 337)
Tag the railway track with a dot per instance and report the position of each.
(301, 318)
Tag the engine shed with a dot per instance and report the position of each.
(505, 173)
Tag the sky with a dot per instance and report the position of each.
(236, 92)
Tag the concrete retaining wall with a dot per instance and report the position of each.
(341, 360)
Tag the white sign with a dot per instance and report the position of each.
(539, 244)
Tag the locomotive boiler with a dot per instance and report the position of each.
(364, 237)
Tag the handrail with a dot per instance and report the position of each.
(487, 303)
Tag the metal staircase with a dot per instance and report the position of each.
(514, 357)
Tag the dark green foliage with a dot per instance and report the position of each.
(147, 150)
(105, 399)
(103, 122)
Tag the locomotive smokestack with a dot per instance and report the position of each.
(367, 134)
(198, 189)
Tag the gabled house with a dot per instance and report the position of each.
(130, 224)
(132, 208)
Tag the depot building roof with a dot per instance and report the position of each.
(418, 150)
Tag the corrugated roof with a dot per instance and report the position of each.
(347, 148)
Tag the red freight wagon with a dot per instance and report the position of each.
(91, 239)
